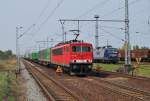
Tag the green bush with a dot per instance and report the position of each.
(6, 54)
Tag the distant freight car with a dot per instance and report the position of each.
(34, 56)
(106, 55)
(144, 54)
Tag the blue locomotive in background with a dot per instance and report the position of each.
(106, 54)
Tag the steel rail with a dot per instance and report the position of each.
(46, 92)
(126, 75)
(104, 85)
(57, 83)
(125, 87)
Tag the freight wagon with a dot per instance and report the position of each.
(45, 56)
(33, 56)
(144, 54)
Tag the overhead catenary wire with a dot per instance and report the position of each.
(43, 10)
(35, 23)
(53, 11)
(51, 14)
(93, 8)
(115, 36)
(115, 10)
(112, 27)
(26, 31)
(120, 8)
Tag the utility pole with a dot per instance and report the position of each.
(17, 50)
(107, 43)
(96, 31)
(17, 45)
(78, 26)
(39, 47)
(47, 42)
(127, 36)
(63, 31)
(52, 40)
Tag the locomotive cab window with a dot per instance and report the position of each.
(81, 49)
(112, 50)
(86, 49)
(76, 48)
(58, 51)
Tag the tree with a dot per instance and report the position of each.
(6, 54)
(136, 47)
(144, 47)
(125, 46)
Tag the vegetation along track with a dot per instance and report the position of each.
(53, 90)
(139, 78)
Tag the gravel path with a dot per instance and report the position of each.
(33, 91)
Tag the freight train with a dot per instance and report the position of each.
(75, 57)
(144, 54)
(106, 54)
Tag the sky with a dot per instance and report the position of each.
(41, 17)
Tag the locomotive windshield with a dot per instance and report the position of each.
(76, 48)
(81, 49)
(112, 50)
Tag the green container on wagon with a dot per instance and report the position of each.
(45, 55)
(34, 56)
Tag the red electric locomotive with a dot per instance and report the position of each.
(74, 56)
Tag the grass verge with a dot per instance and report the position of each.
(143, 70)
(8, 84)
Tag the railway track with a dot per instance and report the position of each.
(135, 95)
(53, 89)
(134, 91)
(123, 91)
(123, 75)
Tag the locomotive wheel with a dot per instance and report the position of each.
(71, 73)
(65, 70)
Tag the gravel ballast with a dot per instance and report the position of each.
(33, 91)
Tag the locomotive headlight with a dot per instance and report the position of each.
(74, 67)
(73, 61)
(89, 66)
(90, 61)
